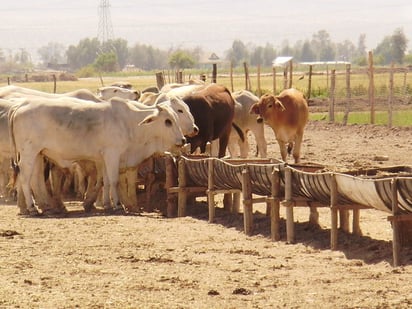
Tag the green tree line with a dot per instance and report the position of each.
(90, 55)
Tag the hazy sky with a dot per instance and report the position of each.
(211, 24)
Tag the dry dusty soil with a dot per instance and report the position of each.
(148, 261)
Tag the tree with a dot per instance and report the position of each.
(392, 48)
(399, 45)
(181, 60)
(322, 43)
(286, 50)
(256, 57)
(306, 53)
(346, 50)
(147, 57)
(106, 62)
(52, 53)
(118, 46)
(269, 54)
(361, 48)
(238, 54)
(83, 54)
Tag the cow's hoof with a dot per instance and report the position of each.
(53, 211)
(119, 210)
(108, 210)
(133, 209)
(24, 213)
(33, 212)
(89, 208)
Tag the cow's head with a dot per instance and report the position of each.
(268, 104)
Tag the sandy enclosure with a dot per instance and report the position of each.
(148, 261)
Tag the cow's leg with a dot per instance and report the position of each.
(259, 133)
(223, 141)
(80, 180)
(233, 141)
(43, 197)
(215, 151)
(244, 147)
(283, 149)
(94, 172)
(106, 190)
(127, 189)
(26, 170)
(111, 163)
(57, 175)
(297, 146)
(21, 201)
(131, 175)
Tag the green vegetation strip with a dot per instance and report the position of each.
(399, 118)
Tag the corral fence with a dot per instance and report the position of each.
(334, 88)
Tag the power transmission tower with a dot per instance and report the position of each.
(105, 28)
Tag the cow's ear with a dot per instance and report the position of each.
(147, 120)
(254, 109)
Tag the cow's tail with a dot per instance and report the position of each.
(239, 131)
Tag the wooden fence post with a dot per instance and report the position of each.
(214, 73)
(309, 82)
(274, 80)
(290, 228)
(170, 182)
(348, 95)
(247, 202)
(371, 87)
(334, 214)
(54, 83)
(275, 205)
(247, 78)
(160, 80)
(390, 98)
(290, 73)
(182, 195)
(332, 96)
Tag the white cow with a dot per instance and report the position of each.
(129, 177)
(108, 92)
(47, 198)
(65, 130)
(11, 91)
(247, 122)
(44, 200)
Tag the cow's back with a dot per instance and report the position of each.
(212, 107)
(296, 113)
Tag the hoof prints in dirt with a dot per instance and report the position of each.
(8, 233)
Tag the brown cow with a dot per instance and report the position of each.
(213, 109)
(287, 114)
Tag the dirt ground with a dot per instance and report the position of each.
(148, 261)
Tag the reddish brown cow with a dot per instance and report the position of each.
(213, 109)
(287, 114)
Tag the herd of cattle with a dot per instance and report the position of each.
(105, 135)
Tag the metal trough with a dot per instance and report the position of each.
(373, 187)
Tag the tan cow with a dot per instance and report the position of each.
(287, 115)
